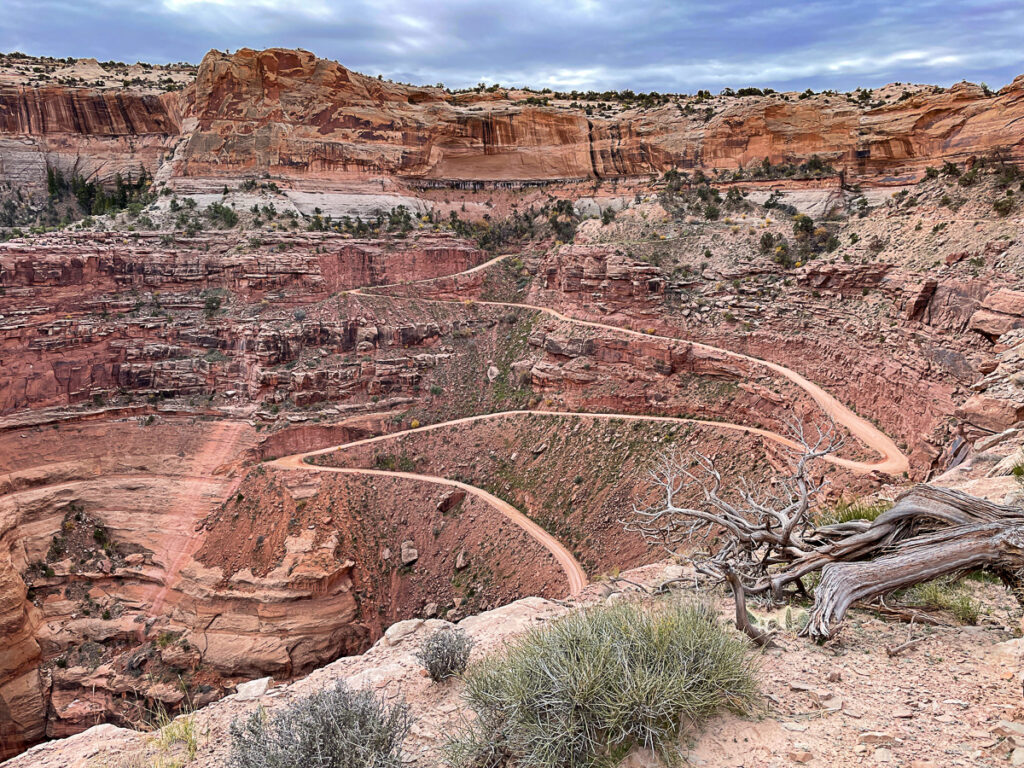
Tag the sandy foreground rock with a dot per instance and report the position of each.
(954, 700)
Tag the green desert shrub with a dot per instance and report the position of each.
(846, 511)
(968, 178)
(946, 594)
(584, 689)
(211, 305)
(445, 653)
(1003, 205)
(333, 728)
(222, 214)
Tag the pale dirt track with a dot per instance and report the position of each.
(892, 459)
(574, 574)
(892, 462)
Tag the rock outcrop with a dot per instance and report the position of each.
(998, 400)
(317, 119)
(296, 117)
(79, 130)
(84, 313)
(607, 277)
(1001, 312)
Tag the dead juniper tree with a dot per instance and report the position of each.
(763, 543)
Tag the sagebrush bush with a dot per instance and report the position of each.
(445, 653)
(333, 728)
(589, 686)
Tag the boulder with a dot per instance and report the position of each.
(252, 689)
(1005, 301)
(993, 324)
(990, 413)
(451, 500)
(409, 552)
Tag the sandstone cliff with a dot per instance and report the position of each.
(296, 117)
(309, 117)
(80, 130)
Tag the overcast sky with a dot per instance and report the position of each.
(640, 44)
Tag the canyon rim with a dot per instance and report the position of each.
(299, 365)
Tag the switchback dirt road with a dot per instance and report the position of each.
(892, 460)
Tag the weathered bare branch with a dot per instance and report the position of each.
(771, 540)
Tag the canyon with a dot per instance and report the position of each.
(367, 352)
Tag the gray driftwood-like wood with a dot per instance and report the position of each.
(771, 543)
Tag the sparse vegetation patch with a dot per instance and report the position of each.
(331, 728)
(586, 688)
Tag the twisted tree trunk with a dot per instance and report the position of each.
(997, 546)
(771, 541)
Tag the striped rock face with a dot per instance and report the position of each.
(300, 118)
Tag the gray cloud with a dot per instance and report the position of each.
(663, 45)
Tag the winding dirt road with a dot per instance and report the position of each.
(892, 460)
(574, 574)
